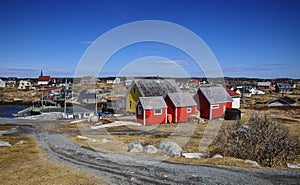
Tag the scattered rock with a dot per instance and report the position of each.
(88, 139)
(150, 149)
(8, 131)
(21, 142)
(83, 138)
(135, 147)
(4, 143)
(196, 119)
(195, 155)
(217, 156)
(104, 140)
(293, 166)
(253, 163)
(94, 119)
(170, 148)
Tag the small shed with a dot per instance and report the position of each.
(180, 107)
(151, 110)
(283, 101)
(87, 97)
(211, 101)
(264, 85)
(236, 98)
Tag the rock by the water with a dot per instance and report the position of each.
(170, 148)
(217, 156)
(135, 147)
(150, 149)
(253, 163)
(4, 143)
(195, 155)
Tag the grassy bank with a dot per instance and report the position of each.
(28, 164)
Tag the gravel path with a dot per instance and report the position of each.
(125, 169)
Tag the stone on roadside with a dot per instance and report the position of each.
(253, 163)
(150, 149)
(170, 148)
(195, 155)
(217, 156)
(94, 119)
(21, 142)
(104, 140)
(135, 147)
(293, 166)
(4, 143)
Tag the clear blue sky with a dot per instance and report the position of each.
(249, 38)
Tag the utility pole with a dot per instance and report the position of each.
(42, 99)
(96, 108)
(65, 100)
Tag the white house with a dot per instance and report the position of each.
(24, 85)
(2, 83)
(236, 98)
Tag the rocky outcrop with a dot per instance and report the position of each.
(135, 146)
(170, 148)
(150, 149)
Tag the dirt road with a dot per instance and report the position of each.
(125, 169)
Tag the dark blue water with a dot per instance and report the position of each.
(6, 111)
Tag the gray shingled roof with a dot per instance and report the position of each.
(283, 100)
(161, 87)
(154, 102)
(215, 94)
(182, 99)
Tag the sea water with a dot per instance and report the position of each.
(6, 111)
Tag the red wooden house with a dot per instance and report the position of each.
(151, 110)
(180, 107)
(212, 101)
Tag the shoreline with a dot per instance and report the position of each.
(15, 103)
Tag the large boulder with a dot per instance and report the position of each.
(170, 148)
(150, 149)
(135, 147)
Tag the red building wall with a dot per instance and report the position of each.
(202, 105)
(219, 112)
(155, 119)
(139, 117)
(150, 118)
(183, 115)
(205, 107)
(171, 108)
(228, 104)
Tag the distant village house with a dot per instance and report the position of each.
(25, 85)
(45, 80)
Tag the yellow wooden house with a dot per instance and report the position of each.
(148, 88)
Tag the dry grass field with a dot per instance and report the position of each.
(28, 164)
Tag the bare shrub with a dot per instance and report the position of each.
(262, 140)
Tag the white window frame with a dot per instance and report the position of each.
(139, 110)
(156, 113)
(189, 110)
(215, 106)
